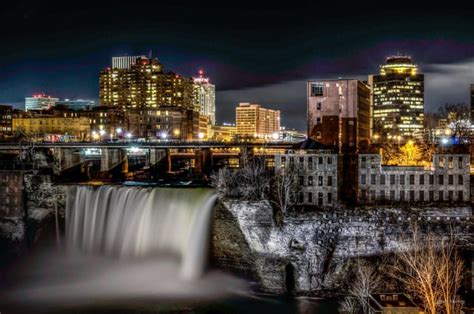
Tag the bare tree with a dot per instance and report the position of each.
(284, 185)
(429, 267)
(366, 281)
(458, 116)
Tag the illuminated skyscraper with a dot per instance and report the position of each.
(144, 84)
(40, 102)
(398, 99)
(339, 113)
(205, 97)
(254, 121)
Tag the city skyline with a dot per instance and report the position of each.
(246, 66)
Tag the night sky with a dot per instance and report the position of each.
(260, 53)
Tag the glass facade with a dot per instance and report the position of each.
(398, 100)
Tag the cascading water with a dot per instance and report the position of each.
(132, 222)
(128, 243)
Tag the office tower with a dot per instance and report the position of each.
(145, 84)
(254, 121)
(339, 113)
(125, 62)
(40, 102)
(398, 100)
(6, 112)
(76, 104)
(205, 97)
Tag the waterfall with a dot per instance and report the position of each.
(136, 222)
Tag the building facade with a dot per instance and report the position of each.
(398, 99)
(223, 133)
(164, 123)
(6, 126)
(76, 104)
(205, 97)
(339, 113)
(446, 180)
(40, 102)
(144, 84)
(125, 62)
(254, 121)
(41, 126)
(316, 176)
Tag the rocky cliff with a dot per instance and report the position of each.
(310, 251)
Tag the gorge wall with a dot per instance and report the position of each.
(310, 252)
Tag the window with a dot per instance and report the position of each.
(382, 179)
(431, 179)
(329, 160)
(283, 161)
(402, 179)
(364, 195)
(412, 179)
(301, 180)
(441, 162)
(300, 197)
(460, 196)
(329, 198)
(329, 180)
(317, 89)
(422, 196)
(441, 196)
(402, 195)
(363, 179)
(392, 195)
(301, 159)
(310, 180)
(318, 120)
(392, 179)
(450, 179)
(422, 179)
(440, 179)
(363, 162)
(320, 160)
(372, 195)
(310, 197)
(450, 196)
(460, 179)
(431, 196)
(318, 105)
(372, 179)
(412, 196)
(382, 195)
(292, 161)
(310, 162)
(450, 162)
(320, 199)
(460, 162)
(320, 180)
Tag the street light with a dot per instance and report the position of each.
(128, 135)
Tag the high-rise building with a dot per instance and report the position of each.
(339, 113)
(145, 84)
(398, 99)
(40, 102)
(205, 97)
(6, 112)
(254, 121)
(125, 62)
(472, 104)
(76, 104)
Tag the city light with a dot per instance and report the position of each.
(201, 135)
(129, 135)
(163, 135)
(444, 141)
(119, 131)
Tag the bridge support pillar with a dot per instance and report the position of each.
(202, 160)
(156, 155)
(111, 157)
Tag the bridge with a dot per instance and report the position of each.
(200, 156)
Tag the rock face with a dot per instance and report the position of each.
(28, 210)
(311, 251)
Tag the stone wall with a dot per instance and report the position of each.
(311, 251)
